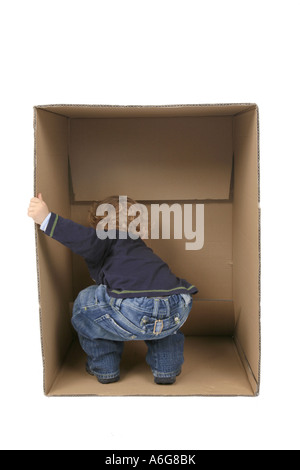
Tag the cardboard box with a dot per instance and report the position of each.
(191, 154)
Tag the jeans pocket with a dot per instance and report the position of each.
(109, 324)
(124, 318)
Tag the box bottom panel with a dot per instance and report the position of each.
(212, 368)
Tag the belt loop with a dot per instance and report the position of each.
(168, 307)
(155, 308)
(186, 298)
(115, 302)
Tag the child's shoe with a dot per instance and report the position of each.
(109, 381)
(166, 380)
(104, 381)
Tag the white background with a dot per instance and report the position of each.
(151, 52)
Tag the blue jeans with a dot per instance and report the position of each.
(103, 324)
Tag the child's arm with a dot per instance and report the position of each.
(81, 240)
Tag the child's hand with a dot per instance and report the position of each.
(38, 209)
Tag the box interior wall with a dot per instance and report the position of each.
(183, 154)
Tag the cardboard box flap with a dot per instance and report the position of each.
(180, 158)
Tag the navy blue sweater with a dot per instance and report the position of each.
(128, 268)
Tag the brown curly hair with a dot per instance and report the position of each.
(94, 219)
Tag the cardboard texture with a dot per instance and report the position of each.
(192, 154)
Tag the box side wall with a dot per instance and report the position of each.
(54, 261)
(246, 246)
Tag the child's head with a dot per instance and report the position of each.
(121, 206)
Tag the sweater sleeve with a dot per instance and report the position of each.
(80, 239)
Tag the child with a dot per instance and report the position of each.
(135, 296)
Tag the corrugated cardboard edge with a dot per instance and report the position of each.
(149, 396)
(49, 107)
(192, 105)
(36, 247)
(259, 251)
